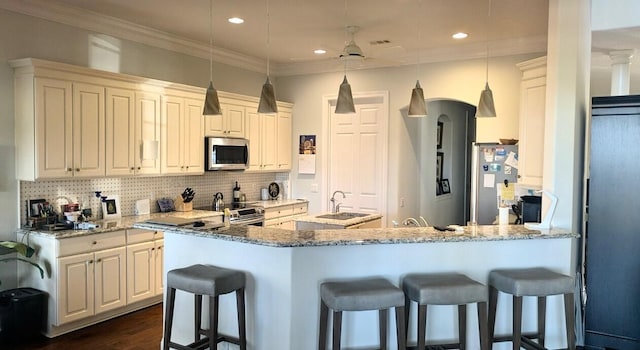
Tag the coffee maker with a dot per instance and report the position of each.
(530, 208)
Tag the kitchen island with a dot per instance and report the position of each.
(285, 268)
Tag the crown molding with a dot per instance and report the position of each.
(121, 29)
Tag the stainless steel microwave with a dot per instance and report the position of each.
(226, 153)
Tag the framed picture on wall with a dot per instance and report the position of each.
(445, 186)
(439, 165)
(438, 188)
(439, 134)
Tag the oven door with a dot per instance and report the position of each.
(250, 221)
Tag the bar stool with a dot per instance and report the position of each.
(212, 281)
(538, 282)
(446, 289)
(360, 295)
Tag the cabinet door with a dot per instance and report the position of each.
(140, 271)
(284, 140)
(54, 128)
(75, 295)
(531, 143)
(269, 144)
(147, 133)
(120, 128)
(172, 133)
(193, 137)
(159, 263)
(88, 130)
(255, 138)
(110, 279)
(234, 118)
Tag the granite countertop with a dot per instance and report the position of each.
(345, 222)
(275, 237)
(126, 222)
(278, 203)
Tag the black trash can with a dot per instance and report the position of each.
(531, 208)
(22, 313)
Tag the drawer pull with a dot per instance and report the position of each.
(94, 242)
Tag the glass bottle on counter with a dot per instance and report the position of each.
(236, 193)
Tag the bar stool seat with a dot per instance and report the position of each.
(360, 295)
(446, 289)
(538, 282)
(212, 281)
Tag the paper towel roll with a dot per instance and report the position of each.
(503, 215)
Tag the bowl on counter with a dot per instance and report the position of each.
(508, 141)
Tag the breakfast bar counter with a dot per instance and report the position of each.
(285, 269)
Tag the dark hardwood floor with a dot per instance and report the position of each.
(140, 330)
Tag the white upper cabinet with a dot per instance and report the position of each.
(270, 140)
(231, 123)
(182, 136)
(533, 89)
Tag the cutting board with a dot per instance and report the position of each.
(171, 221)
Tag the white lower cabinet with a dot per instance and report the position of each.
(144, 264)
(93, 282)
(283, 216)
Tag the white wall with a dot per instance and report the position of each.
(458, 80)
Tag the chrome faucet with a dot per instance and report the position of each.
(335, 208)
(411, 222)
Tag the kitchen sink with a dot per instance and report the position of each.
(342, 216)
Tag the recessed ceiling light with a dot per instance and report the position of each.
(460, 35)
(319, 51)
(236, 20)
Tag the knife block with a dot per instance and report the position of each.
(181, 205)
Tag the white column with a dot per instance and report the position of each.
(620, 76)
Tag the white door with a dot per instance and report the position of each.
(159, 262)
(75, 293)
(88, 130)
(140, 271)
(357, 161)
(120, 128)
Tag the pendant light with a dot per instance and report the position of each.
(345, 104)
(486, 107)
(211, 102)
(417, 106)
(268, 95)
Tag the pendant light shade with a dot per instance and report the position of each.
(345, 98)
(486, 109)
(211, 102)
(268, 98)
(417, 106)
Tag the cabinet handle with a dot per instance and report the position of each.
(153, 248)
(77, 170)
(94, 242)
(187, 167)
(132, 169)
(99, 260)
(138, 168)
(90, 261)
(155, 232)
(69, 169)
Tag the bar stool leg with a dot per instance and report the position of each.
(242, 322)
(422, 326)
(337, 329)
(324, 319)
(168, 317)
(569, 320)
(493, 303)
(517, 322)
(401, 328)
(462, 326)
(197, 319)
(383, 316)
(407, 309)
(213, 322)
(542, 314)
(482, 325)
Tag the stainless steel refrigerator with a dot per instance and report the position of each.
(492, 166)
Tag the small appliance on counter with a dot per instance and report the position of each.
(218, 203)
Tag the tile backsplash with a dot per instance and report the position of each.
(131, 189)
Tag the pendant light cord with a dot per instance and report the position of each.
(419, 38)
(345, 36)
(487, 42)
(268, 38)
(211, 40)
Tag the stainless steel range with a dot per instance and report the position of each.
(243, 214)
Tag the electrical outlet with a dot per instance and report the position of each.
(314, 188)
(401, 202)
